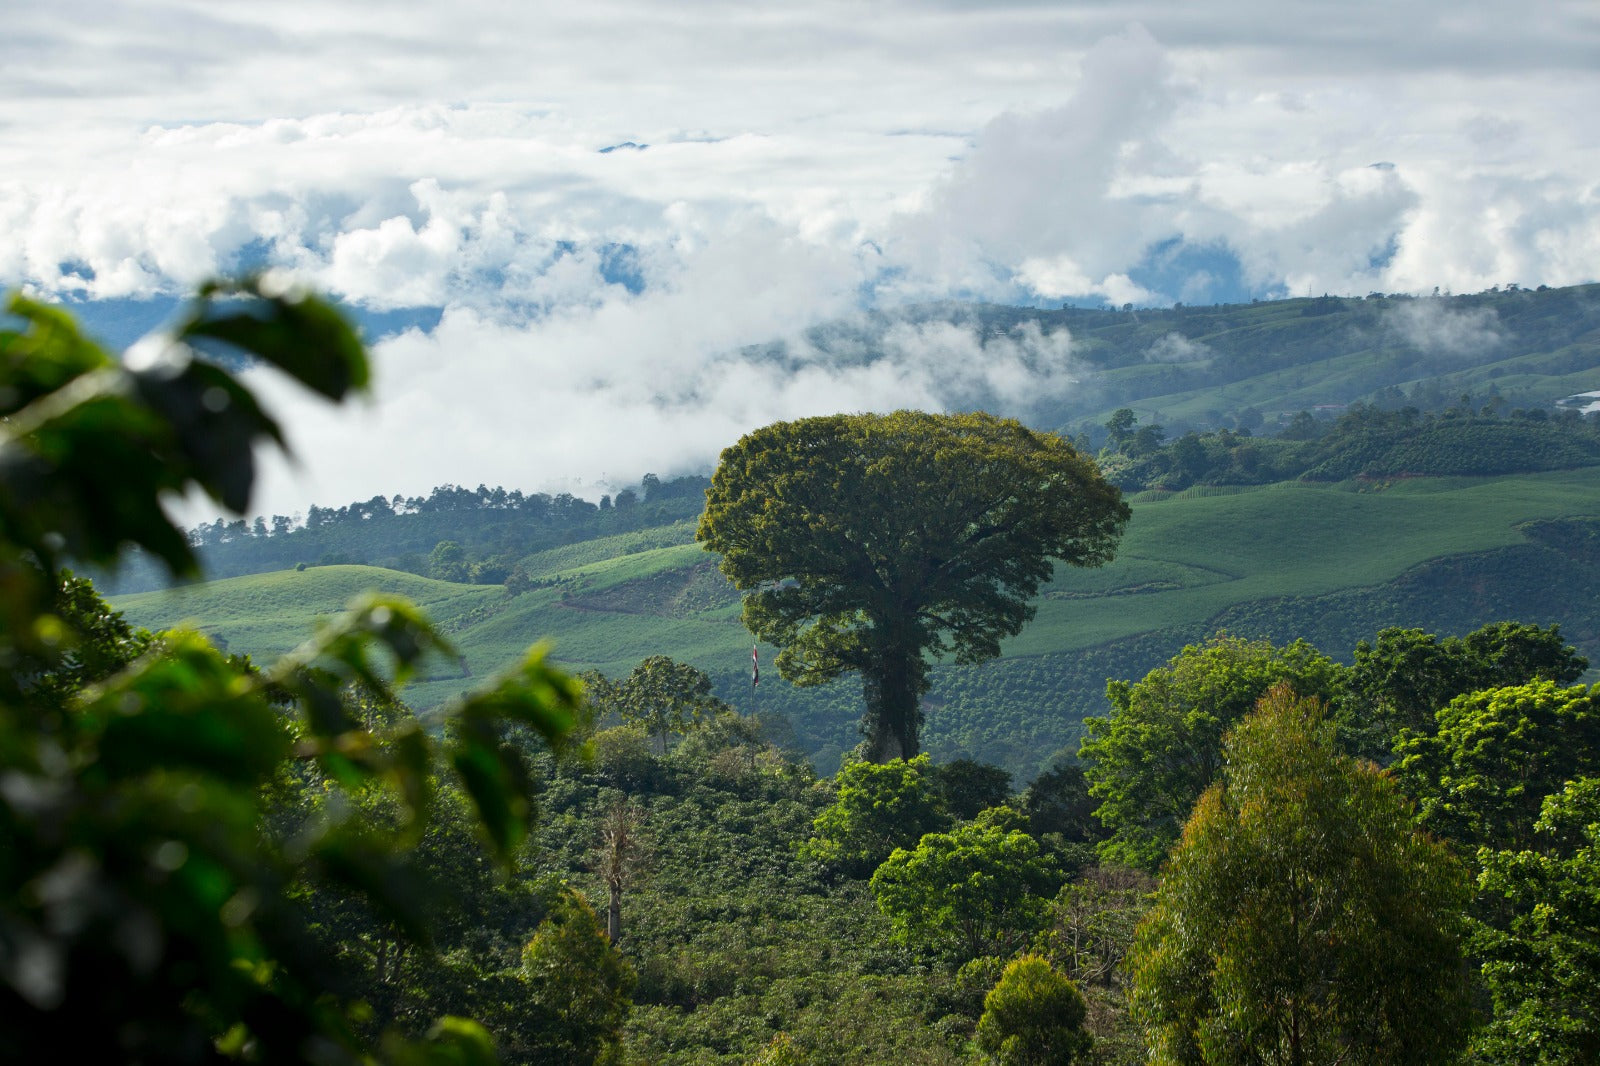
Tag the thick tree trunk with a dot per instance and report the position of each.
(614, 915)
(893, 690)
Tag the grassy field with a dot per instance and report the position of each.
(266, 615)
(1187, 558)
(1342, 557)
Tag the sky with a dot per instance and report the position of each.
(604, 206)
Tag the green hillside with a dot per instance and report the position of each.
(1328, 388)
(1247, 364)
(1332, 561)
(266, 615)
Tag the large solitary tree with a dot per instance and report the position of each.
(864, 543)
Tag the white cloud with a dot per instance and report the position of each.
(659, 381)
(1040, 195)
(801, 160)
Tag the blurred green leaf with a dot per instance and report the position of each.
(532, 694)
(302, 335)
(165, 811)
(489, 773)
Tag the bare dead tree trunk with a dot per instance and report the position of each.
(618, 858)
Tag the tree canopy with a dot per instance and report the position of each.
(878, 807)
(578, 987)
(661, 695)
(980, 889)
(1403, 678)
(865, 542)
(1032, 1017)
(1302, 919)
(1161, 746)
(1481, 779)
(1541, 956)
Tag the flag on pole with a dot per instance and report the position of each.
(755, 666)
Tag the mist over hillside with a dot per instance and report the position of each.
(1250, 366)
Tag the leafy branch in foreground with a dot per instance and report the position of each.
(149, 910)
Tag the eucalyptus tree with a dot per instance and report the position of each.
(1303, 919)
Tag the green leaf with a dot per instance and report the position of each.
(487, 772)
(532, 694)
(451, 1041)
(367, 863)
(214, 423)
(185, 706)
(302, 335)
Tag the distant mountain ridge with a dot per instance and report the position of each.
(1258, 364)
(1241, 365)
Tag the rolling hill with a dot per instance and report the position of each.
(1256, 365)
(1331, 561)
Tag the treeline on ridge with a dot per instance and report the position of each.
(1367, 441)
(454, 533)
(479, 535)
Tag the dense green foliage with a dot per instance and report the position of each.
(979, 889)
(1033, 1017)
(153, 911)
(578, 988)
(1541, 952)
(661, 695)
(1481, 779)
(1406, 676)
(1161, 746)
(967, 787)
(1302, 919)
(877, 808)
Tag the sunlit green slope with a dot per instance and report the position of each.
(1334, 562)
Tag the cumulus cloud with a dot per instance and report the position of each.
(1039, 197)
(604, 313)
(591, 397)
